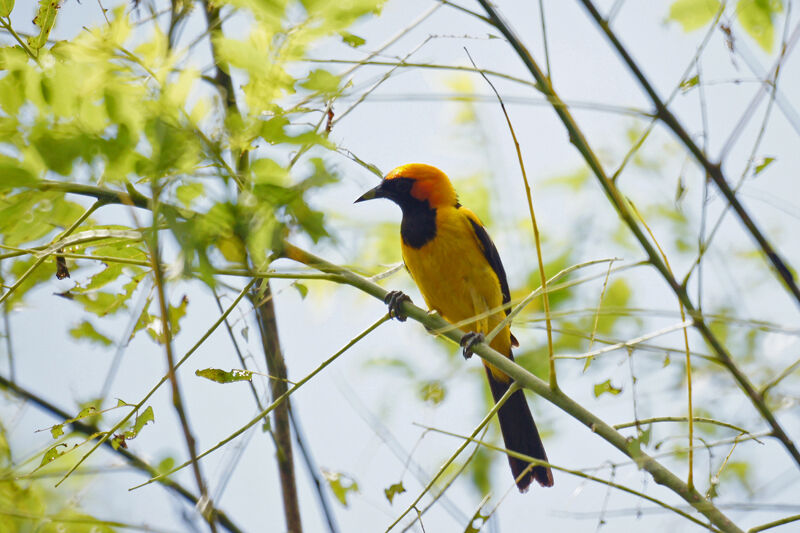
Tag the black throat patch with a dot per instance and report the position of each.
(419, 223)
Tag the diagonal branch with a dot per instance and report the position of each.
(625, 212)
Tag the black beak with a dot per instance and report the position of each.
(371, 194)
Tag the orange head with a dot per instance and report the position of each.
(415, 184)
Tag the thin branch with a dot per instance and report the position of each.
(536, 238)
(700, 419)
(177, 400)
(776, 523)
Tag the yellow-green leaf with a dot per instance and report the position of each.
(321, 81)
(86, 331)
(394, 490)
(5, 7)
(341, 485)
(52, 454)
(606, 387)
(45, 19)
(693, 14)
(762, 164)
(757, 17)
(433, 392)
(220, 376)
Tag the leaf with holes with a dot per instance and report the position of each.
(394, 490)
(86, 331)
(220, 376)
(341, 485)
(606, 387)
(45, 19)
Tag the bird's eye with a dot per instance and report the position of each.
(402, 185)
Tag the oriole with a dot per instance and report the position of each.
(457, 268)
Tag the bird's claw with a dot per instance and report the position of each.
(469, 341)
(394, 299)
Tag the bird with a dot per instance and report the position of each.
(456, 266)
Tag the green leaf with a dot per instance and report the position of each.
(693, 14)
(5, 7)
(757, 17)
(393, 491)
(763, 163)
(302, 289)
(691, 82)
(352, 40)
(341, 485)
(142, 419)
(176, 313)
(321, 81)
(220, 376)
(433, 392)
(187, 193)
(45, 19)
(86, 331)
(165, 465)
(57, 430)
(606, 387)
(52, 454)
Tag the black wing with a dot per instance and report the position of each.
(491, 255)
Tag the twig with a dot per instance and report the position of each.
(536, 239)
(776, 523)
(177, 401)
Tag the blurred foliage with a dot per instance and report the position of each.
(757, 17)
(28, 504)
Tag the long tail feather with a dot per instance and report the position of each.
(520, 435)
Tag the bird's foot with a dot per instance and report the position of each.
(469, 341)
(394, 299)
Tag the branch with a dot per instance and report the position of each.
(433, 322)
(623, 209)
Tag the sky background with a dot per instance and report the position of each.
(410, 118)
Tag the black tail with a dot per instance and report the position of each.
(520, 435)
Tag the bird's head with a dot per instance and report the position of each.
(415, 184)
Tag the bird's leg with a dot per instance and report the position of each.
(469, 341)
(394, 299)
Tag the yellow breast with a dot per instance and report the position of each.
(455, 278)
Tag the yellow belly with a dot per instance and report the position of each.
(456, 280)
